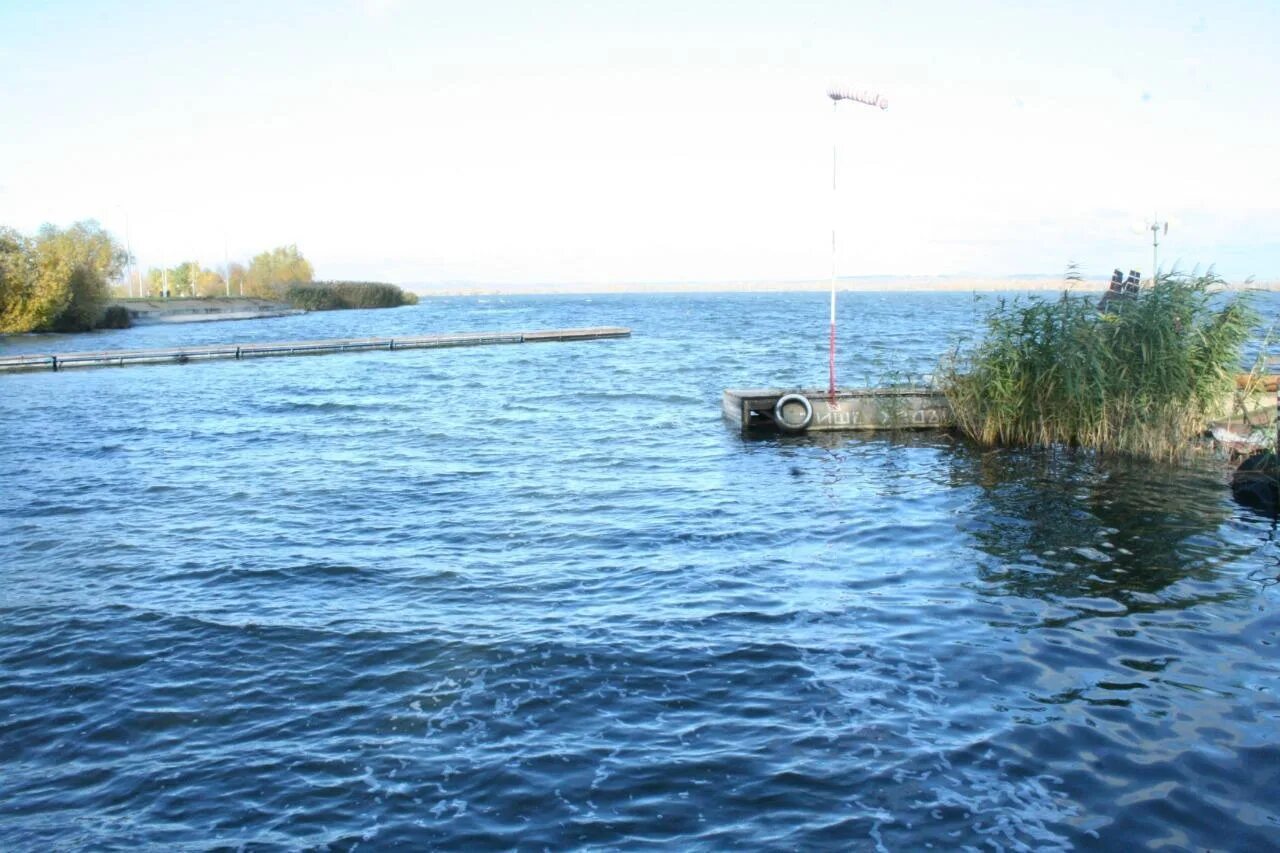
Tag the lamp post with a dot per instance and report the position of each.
(836, 96)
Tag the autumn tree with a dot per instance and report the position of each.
(271, 272)
(154, 284)
(210, 283)
(58, 281)
(17, 283)
(238, 274)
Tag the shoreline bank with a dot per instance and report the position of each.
(152, 311)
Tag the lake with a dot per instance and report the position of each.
(544, 596)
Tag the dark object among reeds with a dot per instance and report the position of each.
(337, 295)
(1143, 379)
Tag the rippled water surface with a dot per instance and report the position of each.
(542, 596)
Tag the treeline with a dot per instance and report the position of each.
(58, 280)
(61, 280)
(336, 295)
(268, 275)
(282, 275)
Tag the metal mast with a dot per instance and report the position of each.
(836, 96)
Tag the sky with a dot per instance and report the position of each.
(525, 142)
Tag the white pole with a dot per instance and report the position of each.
(835, 197)
(836, 96)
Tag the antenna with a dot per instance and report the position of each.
(837, 95)
(1156, 227)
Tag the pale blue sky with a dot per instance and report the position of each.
(614, 142)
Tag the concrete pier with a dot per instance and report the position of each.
(853, 409)
(812, 410)
(182, 355)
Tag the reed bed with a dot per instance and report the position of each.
(1143, 379)
(338, 295)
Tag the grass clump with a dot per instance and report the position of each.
(1143, 379)
(338, 295)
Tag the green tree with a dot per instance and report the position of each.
(271, 272)
(182, 279)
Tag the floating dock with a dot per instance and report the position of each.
(851, 409)
(182, 355)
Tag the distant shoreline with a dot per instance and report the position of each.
(887, 284)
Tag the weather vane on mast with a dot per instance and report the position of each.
(872, 100)
(861, 97)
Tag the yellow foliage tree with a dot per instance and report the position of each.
(59, 280)
(271, 272)
(17, 282)
(237, 273)
(210, 283)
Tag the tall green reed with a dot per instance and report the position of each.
(1143, 379)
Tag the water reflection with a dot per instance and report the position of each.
(1071, 525)
(1057, 525)
(1095, 618)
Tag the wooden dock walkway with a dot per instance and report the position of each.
(182, 355)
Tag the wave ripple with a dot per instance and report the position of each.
(543, 597)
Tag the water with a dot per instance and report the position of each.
(542, 596)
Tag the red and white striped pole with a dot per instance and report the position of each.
(836, 96)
